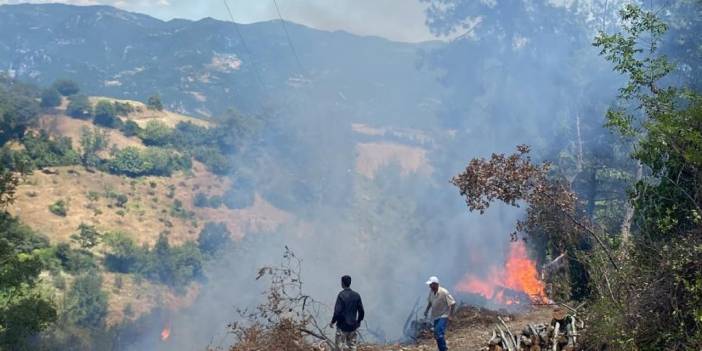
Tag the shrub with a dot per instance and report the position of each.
(154, 103)
(59, 208)
(156, 133)
(86, 302)
(123, 108)
(50, 97)
(213, 237)
(130, 128)
(79, 107)
(134, 162)
(45, 152)
(105, 115)
(215, 161)
(200, 200)
(215, 201)
(87, 236)
(177, 210)
(66, 87)
(74, 261)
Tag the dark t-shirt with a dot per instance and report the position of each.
(348, 311)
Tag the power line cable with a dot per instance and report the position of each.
(287, 35)
(246, 48)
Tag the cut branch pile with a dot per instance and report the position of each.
(559, 335)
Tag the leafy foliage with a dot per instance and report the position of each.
(79, 107)
(213, 238)
(154, 103)
(135, 162)
(106, 115)
(173, 266)
(66, 87)
(47, 152)
(59, 208)
(50, 97)
(86, 302)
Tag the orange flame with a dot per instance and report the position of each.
(518, 274)
(165, 333)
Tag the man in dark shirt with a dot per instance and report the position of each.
(348, 314)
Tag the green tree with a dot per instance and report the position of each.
(24, 309)
(79, 107)
(130, 128)
(86, 303)
(156, 133)
(50, 97)
(213, 238)
(19, 109)
(59, 208)
(92, 141)
(154, 103)
(87, 236)
(105, 115)
(66, 87)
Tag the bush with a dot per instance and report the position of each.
(124, 255)
(123, 108)
(86, 303)
(134, 162)
(215, 201)
(74, 261)
(87, 236)
(177, 210)
(50, 97)
(174, 266)
(156, 134)
(200, 200)
(66, 87)
(215, 161)
(213, 237)
(130, 128)
(154, 103)
(105, 115)
(79, 107)
(59, 208)
(45, 152)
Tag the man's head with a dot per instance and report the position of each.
(345, 281)
(433, 283)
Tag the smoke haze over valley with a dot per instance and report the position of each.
(348, 146)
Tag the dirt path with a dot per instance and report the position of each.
(472, 327)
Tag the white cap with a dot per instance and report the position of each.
(433, 279)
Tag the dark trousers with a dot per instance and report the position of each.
(439, 333)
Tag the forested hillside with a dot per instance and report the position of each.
(153, 172)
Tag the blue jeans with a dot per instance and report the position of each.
(439, 333)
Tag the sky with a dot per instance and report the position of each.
(398, 20)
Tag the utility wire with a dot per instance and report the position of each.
(287, 35)
(246, 48)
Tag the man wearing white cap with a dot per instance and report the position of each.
(441, 304)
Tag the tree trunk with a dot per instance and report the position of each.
(629, 212)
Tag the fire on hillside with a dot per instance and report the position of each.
(517, 282)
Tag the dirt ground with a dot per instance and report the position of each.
(471, 328)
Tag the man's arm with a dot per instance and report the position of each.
(451, 303)
(426, 310)
(361, 312)
(338, 307)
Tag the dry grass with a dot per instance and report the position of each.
(62, 125)
(144, 115)
(373, 156)
(147, 212)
